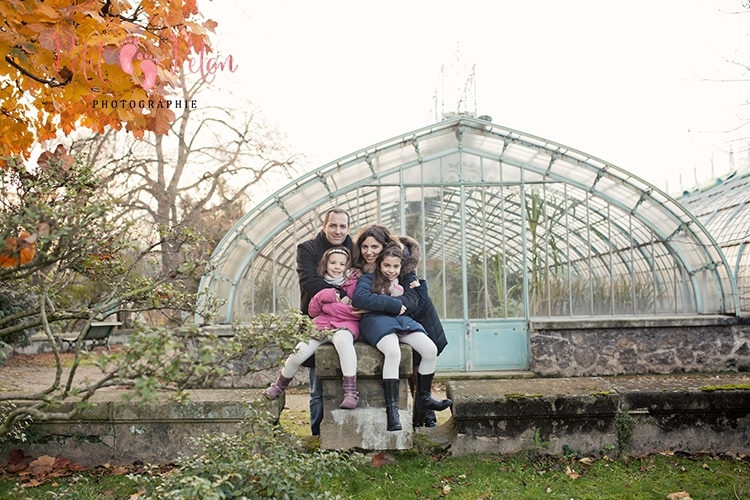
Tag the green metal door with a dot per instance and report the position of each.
(485, 345)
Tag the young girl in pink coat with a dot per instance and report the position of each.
(331, 311)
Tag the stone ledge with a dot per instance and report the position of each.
(115, 431)
(598, 415)
(369, 361)
(577, 323)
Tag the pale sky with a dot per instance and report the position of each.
(628, 82)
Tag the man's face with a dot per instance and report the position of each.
(336, 228)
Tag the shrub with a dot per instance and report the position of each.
(260, 462)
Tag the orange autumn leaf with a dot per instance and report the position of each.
(63, 66)
(380, 459)
(21, 250)
(18, 251)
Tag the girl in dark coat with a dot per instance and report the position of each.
(385, 326)
(367, 246)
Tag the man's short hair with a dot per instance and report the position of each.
(336, 211)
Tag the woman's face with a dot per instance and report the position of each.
(370, 249)
(390, 266)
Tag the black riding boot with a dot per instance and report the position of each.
(424, 395)
(429, 419)
(390, 389)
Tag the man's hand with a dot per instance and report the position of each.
(403, 310)
(414, 284)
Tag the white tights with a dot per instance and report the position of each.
(389, 346)
(342, 340)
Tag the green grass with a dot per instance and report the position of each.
(523, 476)
(528, 478)
(82, 486)
(435, 474)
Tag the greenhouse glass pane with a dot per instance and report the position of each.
(511, 174)
(491, 171)
(345, 175)
(412, 174)
(384, 161)
(437, 144)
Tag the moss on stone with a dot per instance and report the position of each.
(728, 387)
(518, 395)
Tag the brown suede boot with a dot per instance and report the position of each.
(277, 387)
(350, 393)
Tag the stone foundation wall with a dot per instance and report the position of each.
(589, 347)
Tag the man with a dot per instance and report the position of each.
(335, 232)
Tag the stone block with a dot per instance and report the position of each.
(116, 431)
(365, 426)
(369, 361)
(506, 416)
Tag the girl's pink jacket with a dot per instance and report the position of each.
(330, 314)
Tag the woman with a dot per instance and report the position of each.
(367, 246)
(385, 326)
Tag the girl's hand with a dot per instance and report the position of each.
(414, 284)
(403, 310)
(345, 300)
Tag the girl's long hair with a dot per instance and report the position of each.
(381, 235)
(323, 264)
(381, 284)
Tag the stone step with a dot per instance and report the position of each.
(116, 431)
(633, 414)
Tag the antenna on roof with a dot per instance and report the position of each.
(456, 90)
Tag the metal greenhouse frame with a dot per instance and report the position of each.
(512, 227)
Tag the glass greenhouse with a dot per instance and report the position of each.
(512, 227)
(723, 207)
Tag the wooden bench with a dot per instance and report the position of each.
(97, 335)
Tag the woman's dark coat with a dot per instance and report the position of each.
(425, 312)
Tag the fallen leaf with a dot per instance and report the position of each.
(42, 465)
(680, 495)
(586, 460)
(571, 473)
(380, 459)
(137, 495)
(446, 489)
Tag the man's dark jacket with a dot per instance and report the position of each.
(309, 254)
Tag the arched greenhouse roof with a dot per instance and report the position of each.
(722, 205)
(511, 225)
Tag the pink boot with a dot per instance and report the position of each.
(350, 393)
(277, 387)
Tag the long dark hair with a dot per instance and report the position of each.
(381, 284)
(381, 235)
